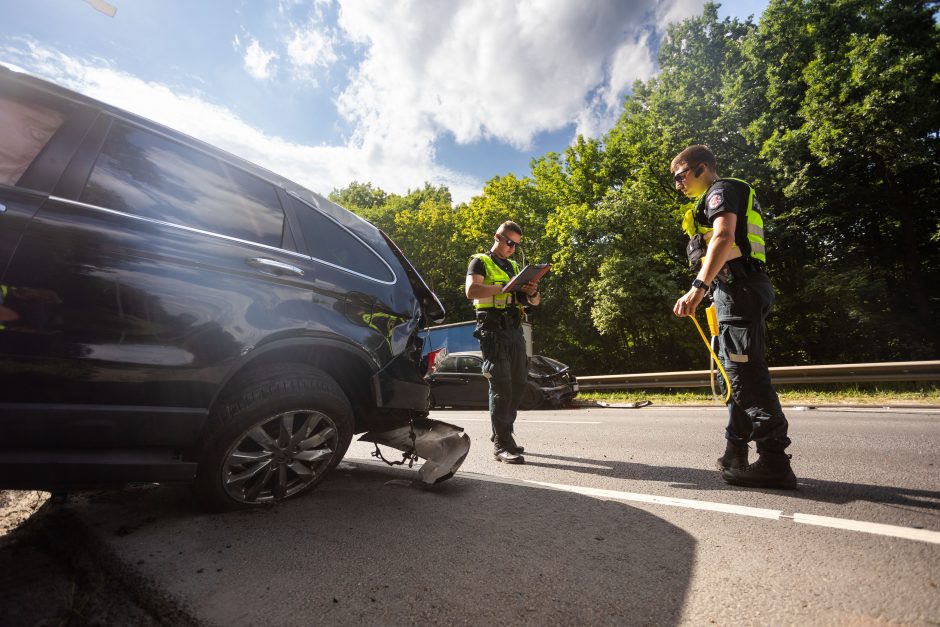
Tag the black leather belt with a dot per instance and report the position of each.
(739, 269)
(499, 318)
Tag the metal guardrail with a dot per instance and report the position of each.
(835, 373)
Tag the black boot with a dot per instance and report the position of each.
(735, 455)
(502, 453)
(510, 443)
(771, 470)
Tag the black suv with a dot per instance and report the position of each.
(170, 312)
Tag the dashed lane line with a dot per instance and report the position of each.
(544, 422)
(929, 411)
(908, 533)
(847, 524)
(616, 495)
(894, 531)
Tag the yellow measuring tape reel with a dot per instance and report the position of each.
(713, 327)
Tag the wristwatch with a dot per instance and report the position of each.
(700, 283)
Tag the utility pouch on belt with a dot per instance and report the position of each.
(724, 275)
(489, 339)
(695, 250)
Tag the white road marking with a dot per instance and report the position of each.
(547, 422)
(878, 410)
(908, 533)
(847, 524)
(675, 408)
(815, 408)
(616, 495)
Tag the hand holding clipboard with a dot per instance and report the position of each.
(530, 274)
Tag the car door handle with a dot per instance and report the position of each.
(277, 268)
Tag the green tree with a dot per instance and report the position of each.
(829, 108)
(850, 131)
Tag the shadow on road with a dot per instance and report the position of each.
(369, 546)
(810, 489)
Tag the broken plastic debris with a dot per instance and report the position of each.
(444, 446)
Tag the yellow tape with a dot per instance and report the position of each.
(714, 356)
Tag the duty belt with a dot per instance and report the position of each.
(499, 318)
(738, 269)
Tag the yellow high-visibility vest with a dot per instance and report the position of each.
(495, 276)
(755, 224)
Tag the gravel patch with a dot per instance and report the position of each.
(48, 575)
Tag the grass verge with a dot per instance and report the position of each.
(875, 394)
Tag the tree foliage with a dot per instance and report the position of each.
(828, 107)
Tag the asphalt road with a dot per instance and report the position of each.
(617, 517)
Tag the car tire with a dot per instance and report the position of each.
(532, 397)
(276, 436)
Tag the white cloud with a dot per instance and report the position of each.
(678, 10)
(236, 43)
(257, 60)
(320, 168)
(489, 69)
(477, 69)
(310, 47)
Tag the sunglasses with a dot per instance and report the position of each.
(680, 175)
(507, 241)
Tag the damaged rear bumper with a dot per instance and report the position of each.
(399, 386)
(443, 446)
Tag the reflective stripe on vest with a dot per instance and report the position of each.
(494, 276)
(755, 226)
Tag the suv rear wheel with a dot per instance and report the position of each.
(275, 437)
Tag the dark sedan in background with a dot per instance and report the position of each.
(458, 381)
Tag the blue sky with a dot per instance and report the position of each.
(392, 92)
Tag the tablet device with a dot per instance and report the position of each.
(532, 272)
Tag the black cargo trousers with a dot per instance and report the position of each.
(742, 306)
(505, 365)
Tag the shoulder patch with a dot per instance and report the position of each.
(714, 200)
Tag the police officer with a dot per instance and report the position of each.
(726, 246)
(499, 329)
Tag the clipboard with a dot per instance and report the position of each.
(529, 274)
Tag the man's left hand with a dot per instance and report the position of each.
(529, 288)
(686, 305)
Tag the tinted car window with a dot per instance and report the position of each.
(448, 365)
(470, 365)
(328, 241)
(25, 128)
(148, 175)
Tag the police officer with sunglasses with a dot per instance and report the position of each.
(727, 250)
(499, 329)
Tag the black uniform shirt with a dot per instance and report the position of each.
(477, 267)
(723, 196)
(731, 196)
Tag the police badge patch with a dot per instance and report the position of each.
(714, 200)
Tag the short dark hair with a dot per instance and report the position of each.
(511, 226)
(694, 156)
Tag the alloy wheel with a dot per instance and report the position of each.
(279, 456)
